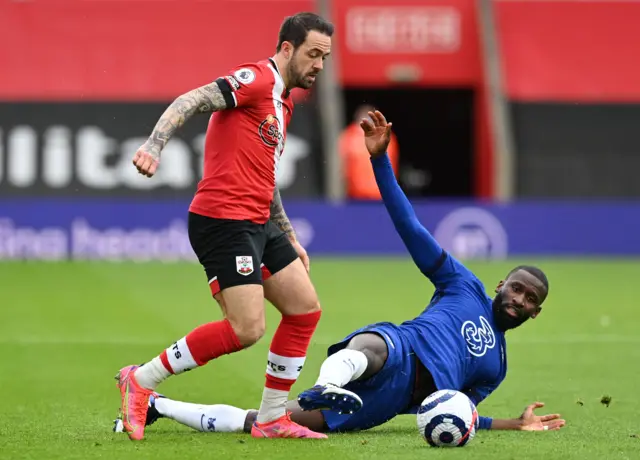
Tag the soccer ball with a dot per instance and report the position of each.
(447, 418)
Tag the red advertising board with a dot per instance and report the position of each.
(130, 50)
(153, 50)
(570, 50)
(431, 42)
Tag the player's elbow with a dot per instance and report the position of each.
(413, 235)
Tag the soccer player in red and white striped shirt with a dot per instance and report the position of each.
(239, 230)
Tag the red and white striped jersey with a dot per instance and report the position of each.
(243, 145)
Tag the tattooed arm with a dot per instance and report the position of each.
(279, 217)
(205, 99)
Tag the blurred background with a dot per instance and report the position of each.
(515, 123)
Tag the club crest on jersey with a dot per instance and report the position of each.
(271, 132)
(244, 265)
(245, 76)
(479, 339)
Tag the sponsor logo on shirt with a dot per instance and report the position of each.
(271, 132)
(479, 339)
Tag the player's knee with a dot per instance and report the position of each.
(244, 309)
(305, 300)
(249, 335)
(249, 332)
(313, 305)
(304, 305)
(374, 348)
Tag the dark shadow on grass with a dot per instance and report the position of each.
(383, 431)
(374, 432)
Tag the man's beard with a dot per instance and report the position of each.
(298, 78)
(503, 320)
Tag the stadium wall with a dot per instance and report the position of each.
(574, 88)
(565, 64)
(109, 229)
(68, 51)
(80, 97)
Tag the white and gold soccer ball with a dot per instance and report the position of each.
(447, 418)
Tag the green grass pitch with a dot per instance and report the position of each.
(66, 328)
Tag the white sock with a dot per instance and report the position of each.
(283, 370)
(151, 374)
(218, 417)
(273, 405)
(342, 367)
(179, 359)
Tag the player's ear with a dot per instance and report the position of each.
(287, 47)
(536, 313)
(499, 286)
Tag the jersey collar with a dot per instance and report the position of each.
(272, 61)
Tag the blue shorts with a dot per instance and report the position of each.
(386, 394)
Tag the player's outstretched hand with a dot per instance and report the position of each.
(532, 422)
(146, 162)
(377, 133)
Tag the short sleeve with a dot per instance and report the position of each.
(244, 85)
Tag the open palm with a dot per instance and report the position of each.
(377, 133)
(532, 422)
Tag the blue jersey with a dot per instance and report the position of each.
(455, 337)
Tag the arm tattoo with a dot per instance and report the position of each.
(207, 98)
(279, 217)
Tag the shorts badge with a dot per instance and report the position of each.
(244, 265)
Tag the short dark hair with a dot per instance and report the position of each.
(294, 29)
(535, 271)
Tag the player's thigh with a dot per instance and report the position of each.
(286, 282)
(387, 392)
(244, 309)
(221, 304)
(231, 253)
(290, 290)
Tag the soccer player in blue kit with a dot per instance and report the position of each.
(384, 369)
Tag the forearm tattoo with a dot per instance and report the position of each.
(279, 217)
(207, 98)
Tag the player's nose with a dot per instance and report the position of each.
(518, 300)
